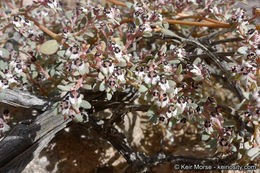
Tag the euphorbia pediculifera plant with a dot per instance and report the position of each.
(148, 45)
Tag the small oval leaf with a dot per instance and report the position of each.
(49, 47)
(85, 104)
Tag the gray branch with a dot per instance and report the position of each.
(22, 99)
(23, 140)
(139, 161)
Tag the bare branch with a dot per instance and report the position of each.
(226, 40)
(22, 99)
(140, 161)
(23, 136)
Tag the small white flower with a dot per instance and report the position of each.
(78, 64)
(256, 96)
(208, 127)
(52, 3)
(120, 75)
(155, 95)
(72, 52)
(151, 78)
(18, 21)
(43, 13)
(145, 28)
(172, 111)
(117, 52)
(163, 119)
(27, 22)
(3, 126)
(196, 70)
(109, 12)
(181, 103)
(139, 72)
(138, 6)
(64, 107)
(112, 84)
(217, 122)
(166, 66)
(84, 10)
(164, 84)
(4, 83)
(163, 100)
(107, 67)
(239, 15)
(18, 68)
(74, 97)
(193, 1)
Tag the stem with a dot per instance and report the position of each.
(117, 2)
(43, 28)
(55, 36)
(215, 24)
(227, 40)
(207, 24)
(21, 3)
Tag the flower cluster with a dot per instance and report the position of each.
(66, 53)
(69, 107)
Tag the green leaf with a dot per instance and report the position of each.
(90, 34)
(242, 50)
(84, 70)
(193, 105)
(87, 87)
(138, 21)
(100, 75)
(196, 61)
(246, 94)
(78, 118)
(179, 70)
(172, 83)
(109, 96)
(170, 33)
(64, 87)
(128, 4)
(198, 78)
(154, 119)
(4, 53)
(68, 14)
(205, 137)
(34, 74)
(84, 20)
(49, 47)
(61, 53)
(52, 72)
(102, 86)
(55, 111)
(32, 44)
(247, 145)
(151, 111)
(2, 65)
(176, 61)
(122, 64)
(85, 104)
(229, 123)
(90, 55)
(212, 144)
(142, 88)
(147, 34)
